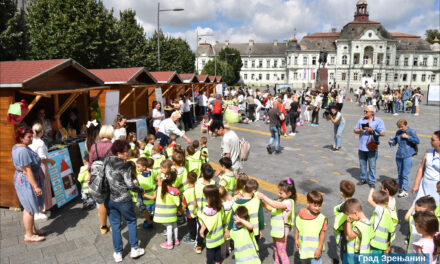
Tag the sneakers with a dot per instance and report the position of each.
(166, 245)
(136, 252)
(362, 182)
(198, 250)
(277, 151)
(40, 216)
(402, 194)
(269, 149)
(416, 114)
(117, 256)
(188, 240)
(176, 242)
(292, 134)
(104, 229)
(395, 114)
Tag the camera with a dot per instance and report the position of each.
(326, 113)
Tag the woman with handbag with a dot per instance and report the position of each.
(407, 140)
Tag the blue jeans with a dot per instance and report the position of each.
(370, 157)
(205, 110)
(396, 107)
(114, 211)
(338, 129)
(312, 261)
(274, 135)
(403, 169)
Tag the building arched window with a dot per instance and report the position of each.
(344, 60)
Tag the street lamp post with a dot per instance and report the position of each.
(158, 29)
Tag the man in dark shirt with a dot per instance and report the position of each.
(274, 124)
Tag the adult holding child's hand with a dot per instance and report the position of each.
(428, 173)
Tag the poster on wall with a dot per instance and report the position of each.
(141, 127)
(434, 93)
(111, 107)
(219, 89)
(158, 93)
(82, 148)
(61, 177)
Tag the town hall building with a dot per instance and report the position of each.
(363, 51)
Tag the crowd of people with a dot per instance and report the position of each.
(169, 184)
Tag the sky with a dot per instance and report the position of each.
(268, 20)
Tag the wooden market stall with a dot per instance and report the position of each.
(171, 84)
(134, 85)
(204, 84)
(52, 85)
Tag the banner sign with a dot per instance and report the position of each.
(219, 89)
(141, 127)
(434, 93)
(61, 177)
(111, 107)
(158, 93)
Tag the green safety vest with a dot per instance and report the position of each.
(190, 198)
(277, 221)
(169, 152)
(182, 180)
(148, 150)
(308, 235)
(383, 230)
(157, 161)
(82, 178)
(148, 184)
(395, 221)
(437, 212)
(245, 246)
(413, 234)
(194, 164)
(228, 214)
(340, 219)
(361, 243)
(200, 197)
(253, 205)
(214, 225)
(205, 159)
(165, 210)
(229, 182)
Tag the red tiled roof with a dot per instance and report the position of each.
(122, 75)
(189, 77)
(212, 78)
(17, 72)
(403, 35)
(323, 35)
(202, 78)
(219, 78)
(163, 76)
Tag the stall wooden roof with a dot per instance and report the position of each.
(219, 79)
(127, 76)
(203, 78)
(64, 74)
(169, 77)
(189, 78)
(212, 78)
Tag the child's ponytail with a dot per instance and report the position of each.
(170, 178)
(288, 185)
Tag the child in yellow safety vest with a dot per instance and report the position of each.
(211, 221)
(382, 222)
(427, 225)
(282, 217)
(148, 149)
(189, 204)
(437, 209)
(166, 208)
(169, 151)
(201, 183)
(179, 165)
(423, 204)
(196, 145)
(193, 161)
(310, 229)
(390, 187)
(246, 247)
(157, 157)
(146, 181)
(165, 166)
(227, 203)
(226, 175)
(204, 150)
(358, 230)
(83, 179)
(242, 179)
(346, 189)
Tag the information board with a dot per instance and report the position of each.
(61, 177)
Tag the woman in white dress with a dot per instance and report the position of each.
(119, 126)
(428, 173)
(157, 116)
(40, 148)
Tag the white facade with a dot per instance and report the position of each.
(363, 49)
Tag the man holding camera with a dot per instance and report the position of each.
(338, 125)
(369, 129)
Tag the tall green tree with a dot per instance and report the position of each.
(233, 58)
(12, 31)
(224, 69)
(80, 29)
(431, 34)
(133, 45)
(175, 54)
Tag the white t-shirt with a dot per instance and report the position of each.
(318, 99)
(231, 144)
(39, 147)
(119, 133)
(233, 92)
(340, 117)
(168, 127)
(240, 98)
(186, 106)
(156, 122)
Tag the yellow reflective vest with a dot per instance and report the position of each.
(277, 223)
(365, 233)
(383, 230)
(190, 198)
(308, 235)
(229, 182)
(253, 206)
(245, 246)
(83, 179)
(214, 225)
(165, 210)
(340, 218)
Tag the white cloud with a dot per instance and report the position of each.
(263, 20)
